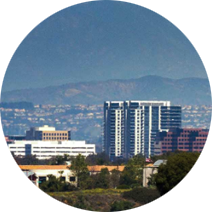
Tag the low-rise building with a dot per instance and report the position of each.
(97, 169)
(11, 138)
(150, 170)
(39, 173)
(48, 149)
(46, 133)
(185, 139)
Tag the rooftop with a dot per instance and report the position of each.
(64, 167)
(159, 162)
(40, 142)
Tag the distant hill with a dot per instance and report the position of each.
(187, 91)
(17, 105)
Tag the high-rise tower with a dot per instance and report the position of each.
(130, 127)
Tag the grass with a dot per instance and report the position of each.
(98, 191)
(94, 199)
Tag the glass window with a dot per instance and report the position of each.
(72, 179)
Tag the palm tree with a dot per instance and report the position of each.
(61, 173)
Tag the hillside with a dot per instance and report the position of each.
(187, 91)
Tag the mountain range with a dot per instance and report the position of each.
(101, 40)
(186, 91)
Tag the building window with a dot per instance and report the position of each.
(63, 178)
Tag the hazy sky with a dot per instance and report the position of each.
(99, 41)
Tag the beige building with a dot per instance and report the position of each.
(151, 169)
(39, 173)
(46, 133)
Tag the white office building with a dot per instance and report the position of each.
(48, 149)
(130, 127)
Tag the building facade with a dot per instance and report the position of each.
(186, 139)
(9, 139)
(150, 170)
(130, 127)
(114, 128)
(48, 149)
(46, 133)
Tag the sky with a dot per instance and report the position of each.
(98, 41)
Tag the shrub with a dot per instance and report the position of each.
(177, 167)
(142, 195)
(66, 200)
(56, 184)
(136, 185)
(121, 205)
(82, 202)
(123, 187)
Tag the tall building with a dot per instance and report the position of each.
(130, 127)
(114, 129)
(186, 139)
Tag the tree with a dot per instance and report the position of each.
(54, 184)
(151, 182)
(164, 156)
(121, 205)
(177, 167)
(117, 161)
(128, 176)
(114, 178)
(133, 172)
(98, 159)
(91, 160)
(137, 160)
(79, 167)
(60, 159)
(26, 160)
(142, 195)
(61, 173)
(102, 180)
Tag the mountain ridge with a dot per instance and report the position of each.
(151, 87)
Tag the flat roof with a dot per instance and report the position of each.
(64, 167)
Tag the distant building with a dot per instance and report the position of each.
(46, 133)
(185, 139)
(48, 149)
(130, 127)
(11, 138)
